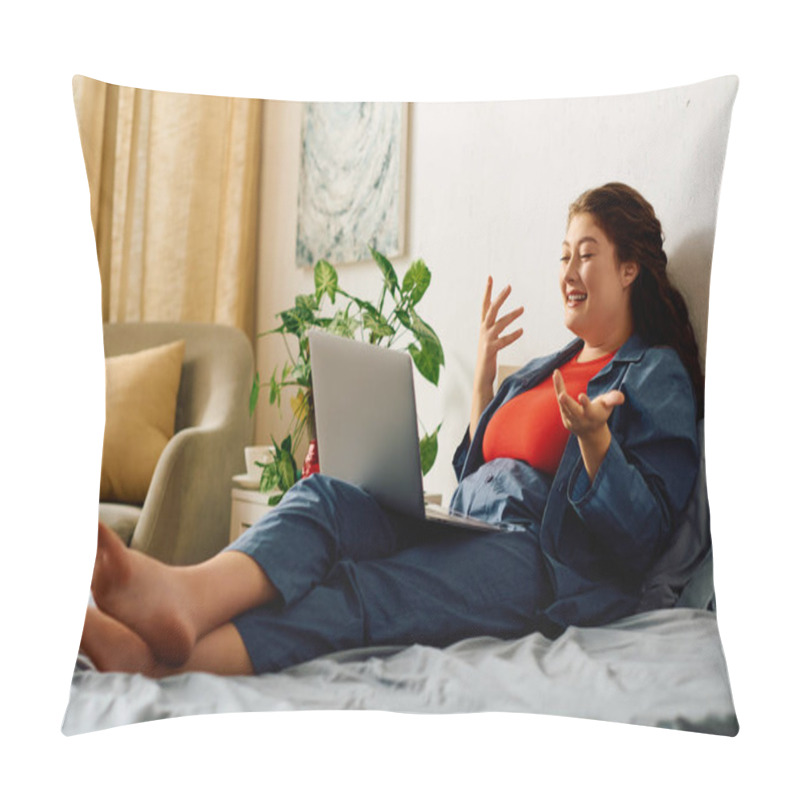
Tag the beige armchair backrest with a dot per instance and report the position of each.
(186, 514)
(503, 371)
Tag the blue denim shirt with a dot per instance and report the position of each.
(598, 537)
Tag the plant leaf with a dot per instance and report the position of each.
(269, 478)
(429, 449)
(389, 275)
(299, 404)
(301, 372)
(286, 471)
(429, 356)
(274, 390)
(416, 281)
(326, 281)
(427, 360)
(364, 305)
(292, 322)
(254, 392)
(423, 331)
(426, 336)
(343, 325)
(377, 323)
(305, 306)
(285, 466)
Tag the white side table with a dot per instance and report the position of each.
(247, 507)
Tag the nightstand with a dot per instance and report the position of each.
(247, 507)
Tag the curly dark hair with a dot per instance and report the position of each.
(660, 314)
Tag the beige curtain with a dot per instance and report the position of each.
(174, 193)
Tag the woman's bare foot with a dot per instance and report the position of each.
(113, 647)
(144, 595)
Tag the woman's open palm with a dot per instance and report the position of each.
(583, 416)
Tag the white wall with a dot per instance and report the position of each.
(488, 189)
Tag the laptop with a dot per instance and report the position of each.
(366, 420)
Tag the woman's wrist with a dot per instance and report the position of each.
(484, 379)
(594, 446)
(482, 395)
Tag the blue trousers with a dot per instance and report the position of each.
(352, 574)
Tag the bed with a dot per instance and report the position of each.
(661, 668)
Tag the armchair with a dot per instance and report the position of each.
(185, 515)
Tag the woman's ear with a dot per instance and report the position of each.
(629, 270)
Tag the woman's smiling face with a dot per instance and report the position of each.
(595, 286)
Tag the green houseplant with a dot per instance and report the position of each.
(385, 322)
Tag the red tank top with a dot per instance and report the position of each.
(529, 427)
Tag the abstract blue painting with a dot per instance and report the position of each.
(351, 192)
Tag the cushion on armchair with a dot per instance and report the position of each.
(141, 396)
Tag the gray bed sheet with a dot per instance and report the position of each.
(661, 668)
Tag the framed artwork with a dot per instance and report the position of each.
(351, 190)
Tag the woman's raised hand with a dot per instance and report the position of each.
(588, 420)
(584, 416)
(490, 341)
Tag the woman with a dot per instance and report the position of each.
(584, 457)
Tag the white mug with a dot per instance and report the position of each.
(257, 453)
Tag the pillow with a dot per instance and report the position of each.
(141, 397)
(490, 185)
(680, 564)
